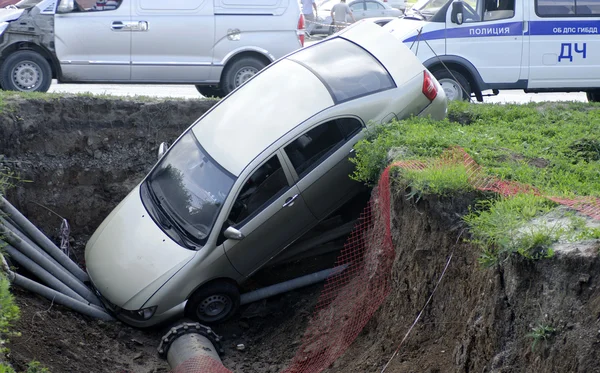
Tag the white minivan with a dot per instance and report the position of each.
(533, 45)
(213, 44)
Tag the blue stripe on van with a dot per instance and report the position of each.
(584, 27)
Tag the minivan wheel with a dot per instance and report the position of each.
(452, 81)
(210, 91)
(214, 303)
(239, 72)
(593, 96)
(26, 71)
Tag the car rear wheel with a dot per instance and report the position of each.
(26, 71)
(239, 72)
(593, 96)
(454, 85)
(214, 303)
(210, 91)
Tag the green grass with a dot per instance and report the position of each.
(32, 367)
(554, 147)
(541, 333)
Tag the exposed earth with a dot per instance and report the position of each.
(82, 155)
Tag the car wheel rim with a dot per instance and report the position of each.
(214, 307)
(244, 74)
(451, 89)
(27, 76)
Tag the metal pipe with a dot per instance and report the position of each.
(54, 295)
(11, 227)
(43, 241)
(56, 271)
(42, 274)
(196, 352)
(290, 285)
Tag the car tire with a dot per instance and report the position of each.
(25, 71)
(239, 72)
(593, 96)
(452, 81)
(214, 303)
(210, 91)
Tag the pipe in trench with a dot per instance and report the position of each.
(290, 285)
(193, 353)
(54, 295)
(56, 271)
(44, 242)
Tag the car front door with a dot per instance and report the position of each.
(374, 9)
(173, 42)
(270, 212)
(321, 162)
(93, 42)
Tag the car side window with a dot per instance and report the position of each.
(263, 186)
(371, 5)
(567, 8)
(357, 6)
(313, 147)
(97, 5)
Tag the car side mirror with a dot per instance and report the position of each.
(457, 12)
(66, 6)
(233, 234)
(162, 149)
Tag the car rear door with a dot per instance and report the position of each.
(270, 212)
(92, 43)
(358, 10)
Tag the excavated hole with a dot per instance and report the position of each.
(76, 159)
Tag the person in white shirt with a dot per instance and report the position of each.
(339, 14)
(309, 16)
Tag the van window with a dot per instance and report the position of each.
(264, 185)
(312, 148)
(96, 5)
(170, 4)
(347, 70)
(488, 10)
(567, 8)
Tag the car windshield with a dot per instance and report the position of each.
(24, 4)
(190, 188)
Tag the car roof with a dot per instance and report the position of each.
(286, 94)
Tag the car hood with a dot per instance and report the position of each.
(404, 28)
(7, 15)
(129, 254)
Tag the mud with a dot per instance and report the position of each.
(82, 155)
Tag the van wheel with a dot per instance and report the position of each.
(239, 72)
(593, 96)
(210, 91)
(452, 81)
(214, 303)
(26, 71)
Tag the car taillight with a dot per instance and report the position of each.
(429, 88)
(300, 31)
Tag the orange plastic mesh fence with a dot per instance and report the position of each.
(349, 299)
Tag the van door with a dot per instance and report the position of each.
(271, 214)
(490, 38)
(564, 42)
(93, 42)
(173, 42)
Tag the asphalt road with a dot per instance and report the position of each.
(189, 91)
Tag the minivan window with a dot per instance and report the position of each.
(313, 147)
(266, 183)
(96, 5)
(190, 187)
(347, 70)
(567, 8)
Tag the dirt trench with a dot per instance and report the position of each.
(82, 155)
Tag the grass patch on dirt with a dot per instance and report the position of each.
(553, 147)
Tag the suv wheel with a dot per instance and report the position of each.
(26, 71)
(454, 85)
(210, 91)
(214, 303)
(239, 72)
(593, 96)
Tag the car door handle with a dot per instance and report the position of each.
(129, 26)
(117, 26)
(290, 201)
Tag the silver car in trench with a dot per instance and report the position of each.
(252, 175)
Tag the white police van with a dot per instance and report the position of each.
(534, 45)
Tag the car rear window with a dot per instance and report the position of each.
(347, 70)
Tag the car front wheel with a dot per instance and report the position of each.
(455, 85)
(210, 91)
(26, 71)
(239, 72)
(593, 96)
(214, 303)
